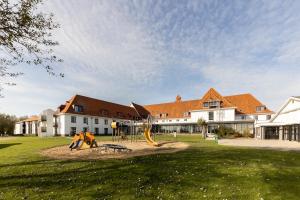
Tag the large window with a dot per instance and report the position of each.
(211, 116)
(106, 122)
(73, 119)
(96, 121)
(85, 120)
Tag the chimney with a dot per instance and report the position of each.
(178, 98)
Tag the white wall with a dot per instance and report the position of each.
(219, 115)
(48, 124)
(18, 128)
(290, 114)
(65, 123)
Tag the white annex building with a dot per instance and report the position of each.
(80, 113)
(284, 125)
(240, 112)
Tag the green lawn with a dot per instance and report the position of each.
(204, 171)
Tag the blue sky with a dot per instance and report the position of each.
(150, 51)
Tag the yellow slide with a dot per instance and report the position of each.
(149, 140)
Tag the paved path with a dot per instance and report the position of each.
(268, 144)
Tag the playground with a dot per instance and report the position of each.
(119, 150)
(84, 145)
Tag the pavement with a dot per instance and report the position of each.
(257, 143)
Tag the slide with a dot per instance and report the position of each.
(149, 140)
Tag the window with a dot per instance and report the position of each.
(212, 104)
(170, 120)
(186, 114)
(177, 120)
(120, 114)
(44, 129)
(268, 117)
(185, 120)
(96, 121)
(105, 131)
(104, 112)
(73, 119)
(256, 117)
(73, 131)
(85, 120)
(243, 117)
(211, 116)
(106, 122)
(44, 118)
(260, 108)
(96, 131)
(78, 108)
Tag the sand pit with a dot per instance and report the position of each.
(140, 148)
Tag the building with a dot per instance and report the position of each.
(81, 113)
(284, 125)
(239, 112)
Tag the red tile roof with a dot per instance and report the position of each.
(96, 107)
(32, 118)
(244, 104)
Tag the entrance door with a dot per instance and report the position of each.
(105, 131)
(272, 133)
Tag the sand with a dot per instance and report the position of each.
(139, 148)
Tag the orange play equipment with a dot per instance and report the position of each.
(83, 140)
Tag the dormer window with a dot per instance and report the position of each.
(212, 104)
(187, 114)
(104, 112)
(163, 115)
(205, 104)
(120, 114)
(260, 108)
(78, 108)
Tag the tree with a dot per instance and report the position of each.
(203, 125)
(7, 124)
(25, 37)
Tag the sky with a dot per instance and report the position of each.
(148, 51)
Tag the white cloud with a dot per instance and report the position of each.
(149, 51)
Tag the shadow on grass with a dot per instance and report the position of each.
(198, 172)
(2, 146)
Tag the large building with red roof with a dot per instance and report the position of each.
(82, 113)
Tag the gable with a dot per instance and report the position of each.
(289, 112)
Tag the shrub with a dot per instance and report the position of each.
(226, 132)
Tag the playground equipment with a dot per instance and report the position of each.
(119, 134)
(147, 131)
(121, 128)
(83, 140)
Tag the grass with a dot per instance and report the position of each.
(204, 171)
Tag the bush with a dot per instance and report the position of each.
(226, 132)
